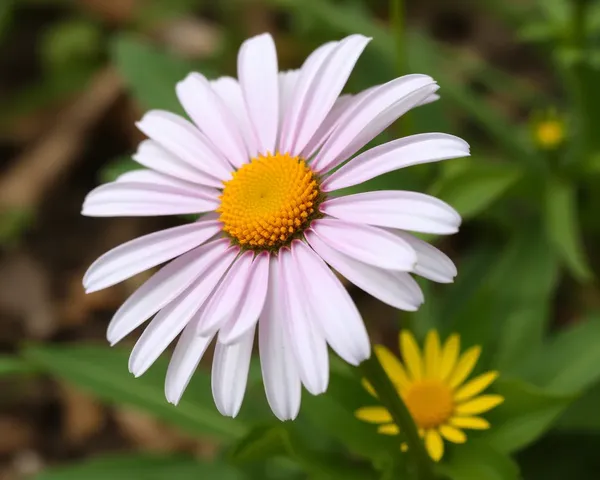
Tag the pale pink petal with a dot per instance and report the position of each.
(230, 92)
(287, 85)
(412, 211)
(431, 262)
(230, 373)
(332, 308)
(184, 361)
(389, 286)
(252, 302)
(146, 252)
(257, 73)
(184, 140)
(278, 365)
(326, 88)
(307, 339)
(163, 287)
(434, 97)
(125, 199)
(342, 104)
(223, 303)
(151, 155)
(156, 178)
(301, 94)
(213, 117)
(367, 244)
(357, 124)
(172, 319)
(397, 154)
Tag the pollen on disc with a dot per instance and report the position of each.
(268, 201)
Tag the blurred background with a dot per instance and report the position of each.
(519, 80)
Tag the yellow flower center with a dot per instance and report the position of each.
(430, 403)
(269, 201)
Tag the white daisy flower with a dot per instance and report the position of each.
(261, 155)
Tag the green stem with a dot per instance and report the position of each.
(372, 370)
(397, 20)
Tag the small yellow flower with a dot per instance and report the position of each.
(549, 130)
(432, 385)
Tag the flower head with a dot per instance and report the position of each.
(549, 130)
(432, 385)
(257, 159)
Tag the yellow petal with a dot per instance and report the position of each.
(449, 356)
(392, 367)
(474, 423)
(464, 367)
(368, 387)
(404, 447)
(479, 405)
(389, 429)
(411, 354)
(453, 434)
(475, 386)
(432, 354)
(373, 414)
(434, 445)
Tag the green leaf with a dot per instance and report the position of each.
(582, 414)
(500, 289)
(562, 226)
(532, 265)
(263, 441)
(11, 365)
(142, 467)
(118, 167)
(477, 461)
(569, 361)
(477, 186)
(267, 441)
(149, 73)
(333, 414)
(103, 372)
(526, 414)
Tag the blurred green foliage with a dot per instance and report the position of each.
(529, 216)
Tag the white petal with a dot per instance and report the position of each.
(163, 287)
(278, 365)
(151, 155)
(146, 252)
(431, 262)
(372, 115)
(342, 104)
(397, 154)
(172, 319)
(128, 199)
(188, 143)
(230, 373)
(367, 244)
(326, 87)
(222, 304)
(230, 92)
(151, 177)
(213, 117)
(412, 211)
(184, 361)
(308, 341)
(434, 97)
(333, 308)
(257, 73)
(301, 95)
(251, 303)
(287, 86)
(388, 286)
